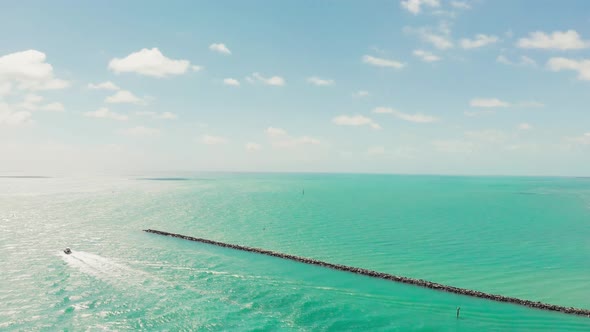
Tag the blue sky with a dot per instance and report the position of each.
(410, 86)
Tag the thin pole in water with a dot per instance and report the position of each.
(458, 310)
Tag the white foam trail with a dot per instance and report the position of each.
(118, 274)
(105, 269)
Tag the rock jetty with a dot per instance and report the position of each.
(387, 276)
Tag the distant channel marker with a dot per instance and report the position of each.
(387, 276)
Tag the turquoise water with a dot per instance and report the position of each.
(521, 237)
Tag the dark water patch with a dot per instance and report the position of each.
(165, 179)
(176, 178)
(387, 276)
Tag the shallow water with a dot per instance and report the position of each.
(521, 237)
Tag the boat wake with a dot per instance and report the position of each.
(123, 276)
(105, 269)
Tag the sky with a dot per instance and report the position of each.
(474, 87)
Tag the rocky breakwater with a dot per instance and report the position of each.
(387, 276)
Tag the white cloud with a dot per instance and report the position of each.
(30, 102)
(103, 86)
(105, 113)
(141, 131)
(273, 80)
(274, 132)
(29, 71)
(580, 66)
(250, 146)
(33, 99)
(280, 139)
(54, 84)
(319, 81)
(383, 110)
(213, 140)
(417, 117)
(53, 107)
(355, 120)
(124, 96)
(196, 68)
(440, 42)
(308, 140)
(9, 117)
(488, 102)
(15, 118)
(376, 151)
(150, 63)
(24, 65)
(167, 116)
(495, 102)
(479, 41)
(524, 61)
(155, 115)
(525, 126)
(361, 94)
(415, 6)
(460, 5)
(582, 139)
(5, 88)
(557, 40)
(231, 82)
(291, 142)
(380, 62)
(439, 37)
(426, 56)
(220, 48)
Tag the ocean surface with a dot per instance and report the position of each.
(515, 236)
